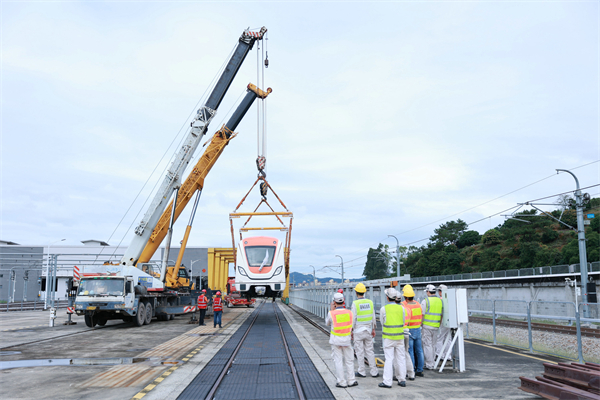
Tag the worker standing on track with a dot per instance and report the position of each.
(393, 318)
(363, 330)
(410, 370)
(341, 321)
(432, 316)
(443, 331)
(415, 344)
(217, 310)
(202, 306)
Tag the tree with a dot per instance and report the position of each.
(492, 237)
(448, 233)
(469, 238)
(376, 266)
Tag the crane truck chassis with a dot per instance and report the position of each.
(127, 293)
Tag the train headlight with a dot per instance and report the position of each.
(242, 271)
(278, 270)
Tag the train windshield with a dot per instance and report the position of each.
(260, 256)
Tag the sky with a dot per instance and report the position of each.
(386, 118)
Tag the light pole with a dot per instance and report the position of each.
(342, 268)
(314, 276)
(581, 239)
(397, 256)
(48, 271)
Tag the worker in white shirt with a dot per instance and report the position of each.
(432, 317)
(443, 331)
(340, 339)
(363, 331)
(393, 320)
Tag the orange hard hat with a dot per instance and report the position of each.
(218, 293)
(203, 290)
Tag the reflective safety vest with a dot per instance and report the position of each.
(393, 328)
(433, 312)
(217, 304)
(416, 314)
(364, 311)
(202, 302)
(341, 322)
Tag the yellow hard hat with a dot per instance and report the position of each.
(360, 288)
(408, 291)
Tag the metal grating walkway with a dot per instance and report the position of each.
(260, 369)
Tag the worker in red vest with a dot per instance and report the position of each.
(340, 339)
(217, 310)
(202, 305)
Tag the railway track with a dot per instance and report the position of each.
(264, 359)
(30, 306)
(536, 326)
(224, 372)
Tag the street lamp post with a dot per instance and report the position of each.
(342, 268)
(192, 269)
(48, 271)
(397, 256)
(581, 240)
(314, 275)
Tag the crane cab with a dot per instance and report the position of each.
(260, 267)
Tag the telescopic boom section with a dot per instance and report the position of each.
(195, 180)
(199, 127)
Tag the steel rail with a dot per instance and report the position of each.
(588, 332)
(217, 383)
(289, 355)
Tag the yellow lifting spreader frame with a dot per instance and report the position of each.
(218, 267)
(277, 214)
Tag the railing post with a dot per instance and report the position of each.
(494, 320)
(529, 330)
(579, 344)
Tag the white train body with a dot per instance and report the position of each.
(260, 269)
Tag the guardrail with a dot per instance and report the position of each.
(31, 305)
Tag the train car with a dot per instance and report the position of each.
(260, 269)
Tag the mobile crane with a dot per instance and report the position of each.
(134, 290)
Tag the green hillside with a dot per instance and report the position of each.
(541, 241)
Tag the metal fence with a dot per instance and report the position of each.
(524, 272)
(509, 322)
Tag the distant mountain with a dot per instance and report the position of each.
(297, 277)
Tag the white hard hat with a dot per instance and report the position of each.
(430, 288)
(338, 298)
(442, 287)
(391, 293)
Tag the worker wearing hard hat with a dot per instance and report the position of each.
(340, 339)
(363, 330)
(218, 310)
(410, 370)
(202, 306)
(443, 331)
(415, 344)
(393, 319)
(432, 316)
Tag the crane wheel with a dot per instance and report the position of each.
(89, 320)
(140, 317)
(148, 318)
